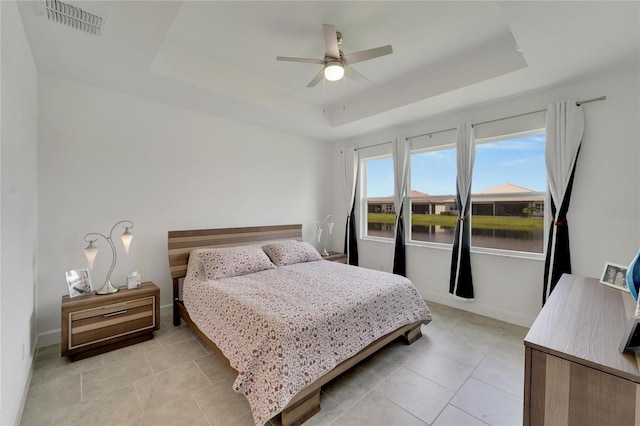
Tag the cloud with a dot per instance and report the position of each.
(511, 145)
(440, 155)
(520, 161)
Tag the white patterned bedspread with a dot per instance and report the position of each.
(283, 328)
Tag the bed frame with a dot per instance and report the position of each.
(180, 243)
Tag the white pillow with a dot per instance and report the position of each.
(285, 253)
(232, 261)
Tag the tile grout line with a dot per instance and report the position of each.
(200, 369)
(200, 408)
(146, 358)
(489, 384)
(461, 409)
(135, 388)
(494, 387)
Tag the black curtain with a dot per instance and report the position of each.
(461, 281)
(350, 240)
(561, 254)
(399, 257)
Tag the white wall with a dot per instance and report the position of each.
(18, 221)
(604, 216)
(105, 156)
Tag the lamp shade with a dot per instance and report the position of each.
(334, 71)
(90, 253)
(330, 226)
(126, 238)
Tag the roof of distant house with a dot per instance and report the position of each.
(505, 188)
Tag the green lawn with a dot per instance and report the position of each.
(511, 223)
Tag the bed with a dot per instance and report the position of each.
(283, 318)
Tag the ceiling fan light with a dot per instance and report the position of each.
(334, 71)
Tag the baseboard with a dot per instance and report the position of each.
(25, 387)
(49, 338)
(480, 309)
(166, 310)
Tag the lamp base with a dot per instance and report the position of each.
(107, 288)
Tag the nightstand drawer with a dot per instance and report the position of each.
(110, 310)
(106, 322)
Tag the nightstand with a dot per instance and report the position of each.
(93, 324)
(336, 257)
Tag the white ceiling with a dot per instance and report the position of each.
(219, 57)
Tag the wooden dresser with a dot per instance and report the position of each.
(93, 324)
(574, 374)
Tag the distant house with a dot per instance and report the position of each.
(501, 200)
(385, 205)
(382, 205)
(435, 205)
(506, 200)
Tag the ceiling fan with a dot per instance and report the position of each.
(335, 63)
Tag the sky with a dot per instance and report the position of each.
(519, 161)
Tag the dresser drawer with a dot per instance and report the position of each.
(106, 322)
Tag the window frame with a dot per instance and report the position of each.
(409, 223)
(364, 200)
(379, 153)
(545, 217)
(475, 249)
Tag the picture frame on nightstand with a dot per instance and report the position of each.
(78, 282)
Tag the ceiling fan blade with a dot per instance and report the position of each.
(331, 41)
(305, 60)
(316, 79)
(353, 74)
(364, 55)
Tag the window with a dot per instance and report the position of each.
(508, 191)
(380, 210)
(433, 195)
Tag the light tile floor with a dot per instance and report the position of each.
(466, 370)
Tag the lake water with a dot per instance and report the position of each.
(527, 241)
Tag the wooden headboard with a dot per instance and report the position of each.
(180, 244)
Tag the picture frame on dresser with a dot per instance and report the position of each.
(614, 275)
(78, 282)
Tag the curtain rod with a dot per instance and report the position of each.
(371, 146)
(578, 103)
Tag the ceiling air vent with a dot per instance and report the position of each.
(72, 16)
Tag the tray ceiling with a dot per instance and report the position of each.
(219, 57)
